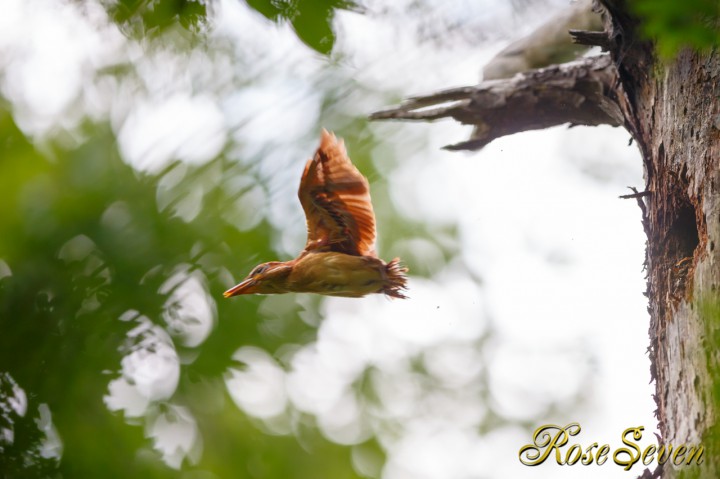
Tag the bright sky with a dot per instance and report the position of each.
(558, 255)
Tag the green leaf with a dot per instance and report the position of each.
(311, 19)
(675, 25)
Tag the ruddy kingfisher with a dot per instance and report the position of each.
(339, 258)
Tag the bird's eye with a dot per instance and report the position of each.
(259, 270)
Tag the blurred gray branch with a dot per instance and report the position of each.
(526, 86)
(581, 93)
(549, 44)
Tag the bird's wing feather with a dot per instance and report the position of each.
(336, 200)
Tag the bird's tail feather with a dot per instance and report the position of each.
(396, 279)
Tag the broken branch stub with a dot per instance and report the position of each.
(580, 93)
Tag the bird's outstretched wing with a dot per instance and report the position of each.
(336, 200)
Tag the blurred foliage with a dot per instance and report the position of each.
(678, 24)
(88, 249)
(61, 298)
(92, 253)
(311, 19)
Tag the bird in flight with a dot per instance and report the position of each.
(339, 258)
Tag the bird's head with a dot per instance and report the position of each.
(266, 278)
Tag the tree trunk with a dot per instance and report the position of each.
(673, 116)
(672, 110)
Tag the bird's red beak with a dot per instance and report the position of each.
(248, 286)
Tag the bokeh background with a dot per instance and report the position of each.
(150, 154)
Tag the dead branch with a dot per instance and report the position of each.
(580, 93)
(591, 38)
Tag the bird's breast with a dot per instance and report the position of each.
(337, 274)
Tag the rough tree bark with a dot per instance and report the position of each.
(673, 115)
(672, 110)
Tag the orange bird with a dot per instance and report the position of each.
(339, 258)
